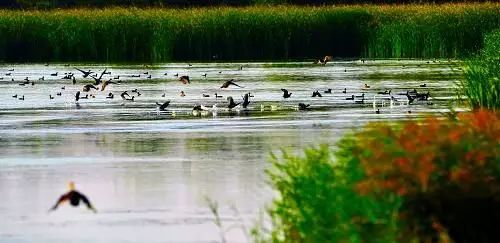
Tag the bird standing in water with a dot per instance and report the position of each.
(74, 197)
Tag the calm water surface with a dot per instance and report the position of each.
(148, 172)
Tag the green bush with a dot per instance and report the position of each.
(481, 84)
(423, 181)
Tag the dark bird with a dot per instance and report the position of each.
(42, 78)
(362, 101)
(77, 96)
(99, 80)
(230, 82)
(423, 85)
(377, 111)
(316, 94)
(218, 96)
(385, 92)
(123, 95)
(231, 104)
(85, 73)
(246, 100)
(74, 80)
(54, 74)
(328, 91)
(410, 98)
(423, 96)
(325, 60)
(84, 97)
(74, 197)
(26, 79)
(182, 94)
(206, 95)
(63, 87)
(184, 79)
(286, 94)
(197, 108)
(58, 93)
(360, 96)
(344, 91)
(163, 106)
(163, 95)
(116, 77)
(51, 97)
(8, 74)
(146, 73)
(106, 83)
(303, 106)
(14, 96)
(350, 98)
(87, 87)
(176, 75)
(204, 75)
(22, 98)
(130, 99)
(135, 76)
(110, 96)
(11, 70)
(149, 77)
(367, 86)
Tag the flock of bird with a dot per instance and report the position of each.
(99, 81)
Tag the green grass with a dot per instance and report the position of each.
(481, 85)
(248, 33)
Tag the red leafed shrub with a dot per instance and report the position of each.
(446, 170)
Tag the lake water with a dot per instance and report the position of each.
(148, 172)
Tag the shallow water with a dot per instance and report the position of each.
(148, 172)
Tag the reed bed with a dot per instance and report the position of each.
(248, 33)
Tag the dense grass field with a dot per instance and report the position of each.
(249, 33)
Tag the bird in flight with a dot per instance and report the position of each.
(74, 197)
(230, 82)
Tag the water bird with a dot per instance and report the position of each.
(360, 96)
(32, 83)
(325, 60)
(184, 79)
(87, 87)
(423, 85)
(423, 96)
(8, 74)
(68, 76)
(51, 97)
(54, 74)
(42, 78)
(73, 80)
(106, 83)
(204, 75)
(123, 95)
(362, 101)
(410, 98)
(218, 96)
(63, 87)
(328, 91)
(135, 76)
(344, 91)
(230, 82)
(84, 97)
(246, 100)
(26, 79)
(303, 106)
(176, 75)
(135, 91)
(189, 64)
(163, 95)
(149, 77)
(182, 94)
(350, 98)
(130, 99)
(367, 86)
(77, 96)
(110, 96)
(85, 73)
(163, 106)
(11, 70)
(74, 197)
(197, 108)
(409, 111)
(377, 111)
(99, 80)
(14, 96)
(385, 92)
(231, 104)
(316, 94)
(165, 74)
(116, 77)
(206, 95)
(286, 94)
(22, 98)
(59, 94)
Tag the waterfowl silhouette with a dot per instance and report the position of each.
(116, 77)
(85, 73)
(286, 94)
(204, 75)
(163, 106)
(231, 104)
(350, 98)
(316, 94)
(51, 97)
(423, 85)
(246, 100)
(184, 79)
(22, 98)
(149, 77)
(182, 94)
(410, 98)
(87, 87)
(344, 91)
(206, 95)
(106, 83)
(163, 95)
(360, 96)
(130, 99)
(385, 92)
(42, 78)
(99, 80)
(367, 86)
(135, 76)
(176, 75)
(63, 87)
(323, 61)
(54, 74)
(77, 96)
(58, 93)
(110, 96)
(123, 95)
(218, 96)
(8, 74)
(74, 197)
(197, 108)
(14, 96)
(73, 80)
(303, 106)
(362, 101)
(84, 97)
(11, 70)
(230, 82)
(328, 91)
(377, 111)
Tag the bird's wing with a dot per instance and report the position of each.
(103, 73)
(233, 83)
(62, 199)
(81, 70)
(86, 201)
